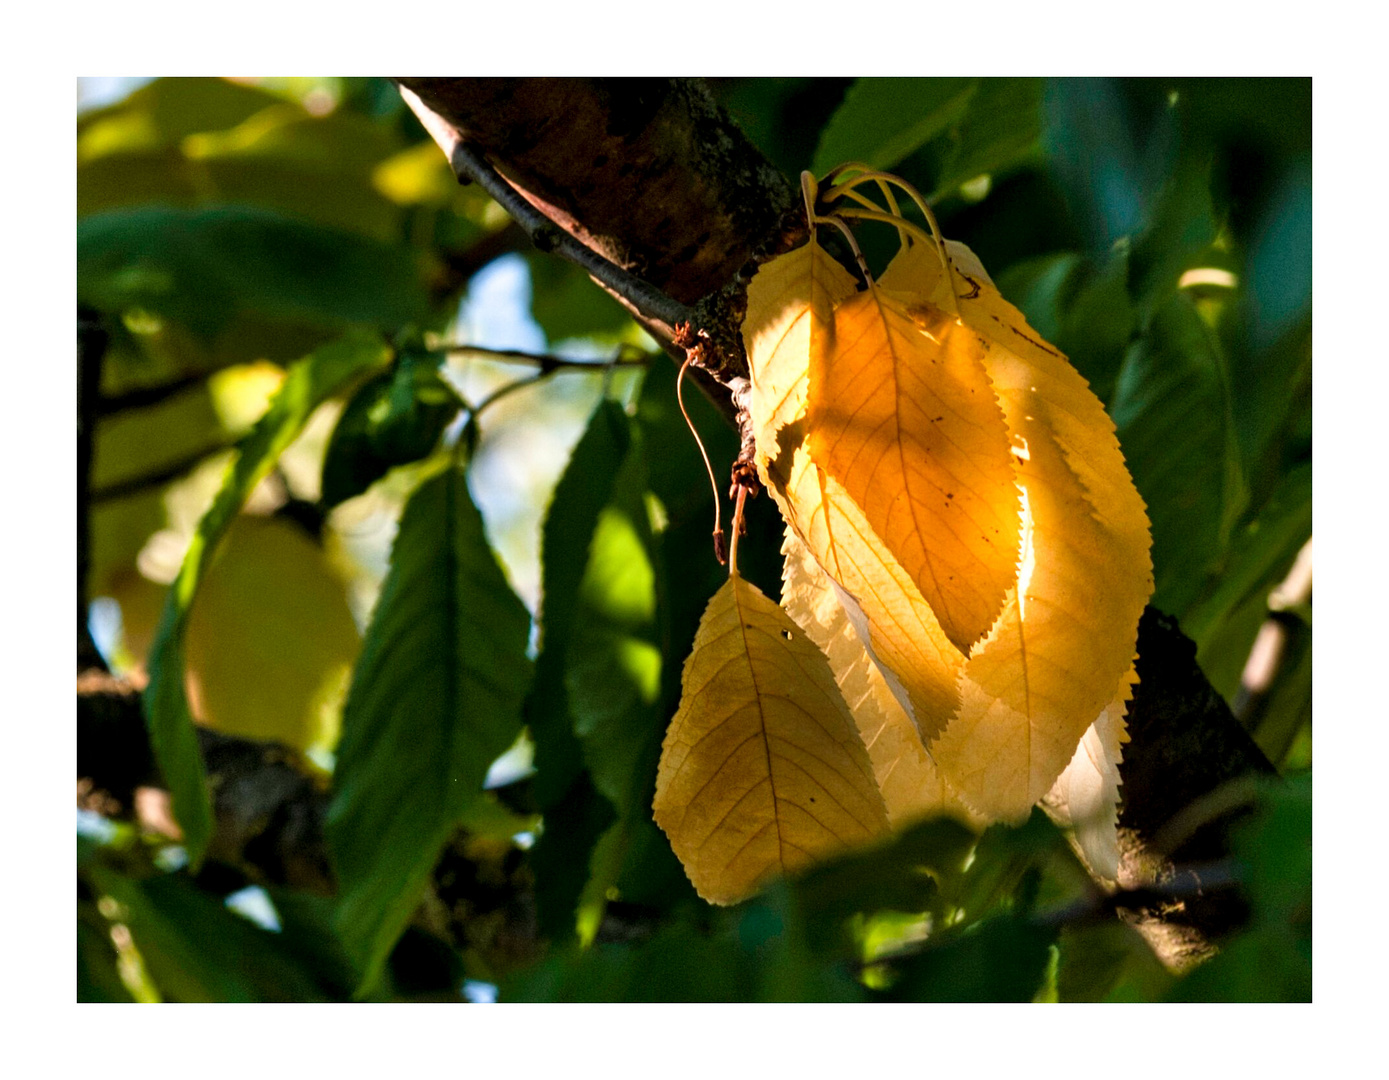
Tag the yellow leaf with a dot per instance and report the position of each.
(790, 318)
(904, 417)
(910, 785)
(1085, 797)
(1066, 636)
(762, 771)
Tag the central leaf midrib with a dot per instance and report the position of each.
(762, 714)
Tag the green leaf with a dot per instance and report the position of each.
(320, 169)
(580, 496)
(1038, 287)
(1178, 238)
(1002, 959)
(307, 384)
(1224, 623)
(900, 876)
(562, 856)
(98, 973)
(613, 667)
(1173, 412)
(883, 120)
(1109, 962)
(195, 949)
(599, 677)
(202, 267)
(435, 699)
(1000, 129)
(1099, 323)
(394, 419)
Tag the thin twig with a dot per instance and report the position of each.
(122, 489)
(719, 552)
(546, 362)
(1190, 882)
(145, 396)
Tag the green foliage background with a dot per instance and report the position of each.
(1158, 231)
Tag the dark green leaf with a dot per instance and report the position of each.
(1099, 323)
(1091, 151)
(679, 964)
(201, 268)
(1038, 288)
(394, 419)
(1173, 412)
(1001, 128)
(435, 699)
(900, 876)
(1223, 624)
(98, 974)
(307, 384)
(883, 120)
(1179, 236)
(599, 683)
(561, 857)
(1287, 712)
(195, 949)
(1108, 962)
(1002, 959)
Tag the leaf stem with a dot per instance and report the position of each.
(713, 484)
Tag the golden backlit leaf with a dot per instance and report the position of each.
(910, 784)
(1066, 636)
(762, 771)
(904, 417)
(1085, 797)
(790, 318)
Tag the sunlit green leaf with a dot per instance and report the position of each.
(175, 745)
(435, 699)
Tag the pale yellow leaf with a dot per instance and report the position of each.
(762, 770)
(1085, 797)
(1066, 636)
(904, 417)
(911, 786)
(790, 318)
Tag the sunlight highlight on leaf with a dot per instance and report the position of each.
(789, 318)
(903, 416)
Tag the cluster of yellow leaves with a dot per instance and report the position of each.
(966, 563)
